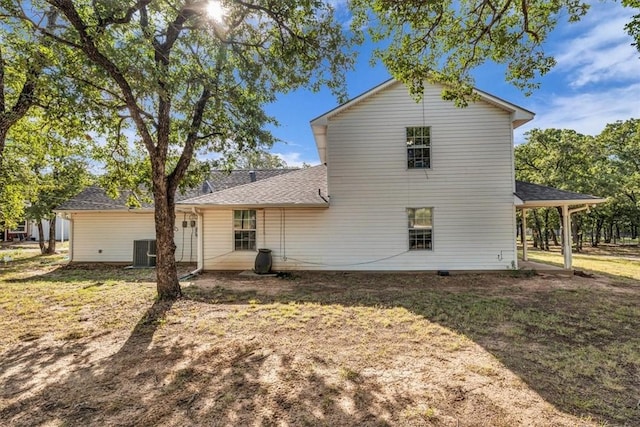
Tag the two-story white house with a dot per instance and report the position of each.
(402, 186)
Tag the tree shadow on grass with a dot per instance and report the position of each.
(159, 379)
(74, 397)
(575, 346)
(96, 273)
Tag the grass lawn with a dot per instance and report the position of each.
(91, 346)
(626, 264)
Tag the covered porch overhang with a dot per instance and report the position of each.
(532, 196)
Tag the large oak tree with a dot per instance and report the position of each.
(189, 78)
(443, 41)
(24, 59)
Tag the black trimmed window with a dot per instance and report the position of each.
(419, 147)
(420, 228)
(244, 230)
(20, 228)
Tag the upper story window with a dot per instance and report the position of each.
(244, 230)
(420, 228)
(419, 147)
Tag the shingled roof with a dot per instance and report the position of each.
(303, 187)
(95, 198)
(528, 192)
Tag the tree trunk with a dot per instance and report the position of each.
(166, 272)
(546, 230)
(43, 247)
(554, 237)
(537, 241)
(599, 224)
(608, 233)
(52, 235)
(4, 128)
(575, 232)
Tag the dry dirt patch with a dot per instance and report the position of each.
(326, 349)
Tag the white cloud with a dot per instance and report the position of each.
(293, 159)
(601, 50)
(587, 112)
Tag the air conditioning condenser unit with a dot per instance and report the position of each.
(144, 253)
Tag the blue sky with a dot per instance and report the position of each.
(596, 81)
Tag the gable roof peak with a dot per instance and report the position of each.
(519, 115)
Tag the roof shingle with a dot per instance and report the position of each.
(303, 187)
(527, 191)
(95, 198)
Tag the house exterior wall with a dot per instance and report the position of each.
(293, 235)
(109, 236)
(470, 187)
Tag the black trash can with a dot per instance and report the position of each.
(263, 261)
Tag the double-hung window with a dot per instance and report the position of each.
(419, 147)
(420, 228)
(244, 230)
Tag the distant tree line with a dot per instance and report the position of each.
(606, 165)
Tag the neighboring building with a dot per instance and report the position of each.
(62, 229)
(403, 186)
(17, 234)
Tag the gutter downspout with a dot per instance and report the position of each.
(71, 239)
(199, 245)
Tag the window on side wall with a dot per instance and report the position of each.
(244, 230)
(420, 228)
(419, 147)
(20, 228)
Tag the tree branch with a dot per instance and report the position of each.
(2, 99)
(93, 53)
(189, 145)
(110, 20)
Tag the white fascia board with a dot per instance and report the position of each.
(319, 124)
(519, 115)
(320, 135)
(260, 206)
(72, 211)
(554, 203)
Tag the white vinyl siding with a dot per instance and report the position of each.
(109, 236)
(470, 187)
(297, 238)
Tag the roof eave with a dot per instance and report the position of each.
(519, 115)
(551, 203)
(320, 135)
(255, 205)
(132, 210)
(320, 123)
